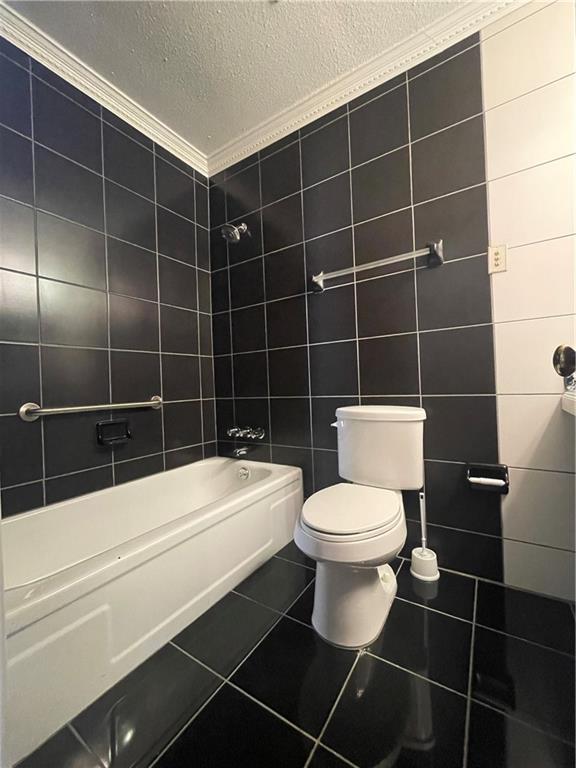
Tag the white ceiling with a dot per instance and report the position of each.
(213, 70)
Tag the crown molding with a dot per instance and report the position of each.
(27, 36)
(467, 18)
(464, 20)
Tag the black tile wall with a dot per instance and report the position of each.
(387, 173)
(105, 292)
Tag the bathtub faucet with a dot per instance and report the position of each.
(247, 433)
(237, 453)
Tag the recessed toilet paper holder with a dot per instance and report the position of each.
(488, 477)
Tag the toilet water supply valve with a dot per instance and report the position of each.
(424, 563)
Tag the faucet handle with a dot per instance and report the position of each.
(251, 433)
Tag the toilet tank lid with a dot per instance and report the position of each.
(381, 413)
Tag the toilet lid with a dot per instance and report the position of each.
(348, 509)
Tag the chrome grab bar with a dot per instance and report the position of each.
(32, 411)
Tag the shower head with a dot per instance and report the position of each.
(233, 233)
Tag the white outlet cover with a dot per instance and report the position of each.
(496, 258)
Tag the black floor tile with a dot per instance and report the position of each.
(531, 617)
(292, 553)
(451, 594)
(235, 731)
(388, 717)
(276, 584)
(534, 684)
(223, 636)
(325, 759)
(296, 673)
(302, 608)
(131, 723)
(497, 740)
(63, 750)
(433, 645)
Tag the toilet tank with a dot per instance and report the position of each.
(381, 445)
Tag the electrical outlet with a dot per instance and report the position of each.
(496, 258)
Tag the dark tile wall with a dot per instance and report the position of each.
(104, 292)
(388, 172)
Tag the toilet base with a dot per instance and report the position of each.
(351, 604)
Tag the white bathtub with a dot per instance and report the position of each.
(95, 585)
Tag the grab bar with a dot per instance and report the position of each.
(32, 411)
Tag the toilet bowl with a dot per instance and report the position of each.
(353, 530)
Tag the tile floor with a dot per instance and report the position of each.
(466, 674)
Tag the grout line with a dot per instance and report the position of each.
(413, 221)
(433, 610)
(416, 674)
(293, 562)
(307, 321)
(530, 724)
(358, 654)
(107, 290)
(470, 677)
(76, 735)
(355, 275)
(37, 287)
(189, 722)
(265, 311)
(228, 681)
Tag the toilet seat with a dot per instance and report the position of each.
(347, 512)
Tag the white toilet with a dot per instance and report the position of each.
(354, 530)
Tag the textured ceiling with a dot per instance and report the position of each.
(213, 70)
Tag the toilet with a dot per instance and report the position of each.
(353, 530)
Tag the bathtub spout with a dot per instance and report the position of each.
(237, 453)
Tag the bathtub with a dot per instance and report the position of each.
(95, 585)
